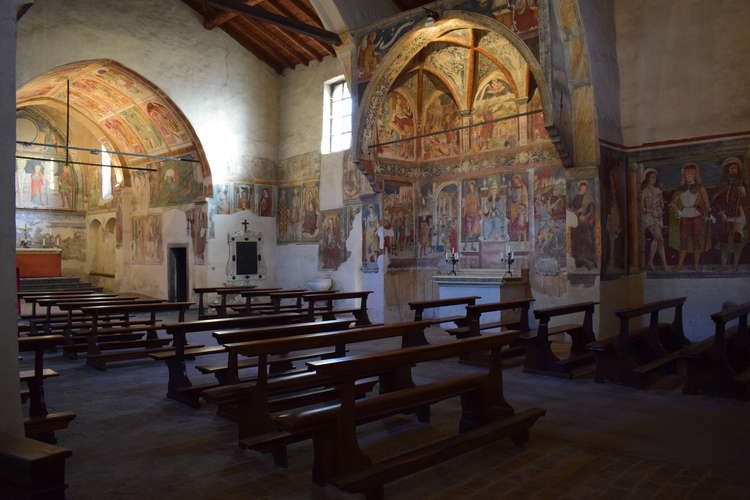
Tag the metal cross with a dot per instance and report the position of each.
(245, 223)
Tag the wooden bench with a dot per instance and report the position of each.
(275, 305)
(30, 469)
(258, 400)
(474, 326)
(99, 354)
(328, 312)
(419, 308)
(179, 386)
(633, 355)
(539, 356)
(486, 416)
(40, 424)
(201, 291)
(37, 321)
(720, 365)
(228, 372)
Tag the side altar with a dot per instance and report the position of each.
(489, 284)
(39, 262)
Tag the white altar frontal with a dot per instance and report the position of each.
(488, 284)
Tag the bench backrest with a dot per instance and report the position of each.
(210, 325)
(430, 304)
(474, 312)
(544, 315)
(330, 296)
(276, 331)
(318, 340)
(721, 319)
(360, 366)
(115, 301)
(138, 308)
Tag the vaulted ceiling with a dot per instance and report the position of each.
(281, 33)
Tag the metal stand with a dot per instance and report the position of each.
(452, 260)
(509, 260)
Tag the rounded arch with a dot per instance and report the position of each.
(402, 53)
(123, 110)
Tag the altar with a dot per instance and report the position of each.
(488, 284)
(39, 262)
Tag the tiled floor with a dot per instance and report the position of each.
(596, 441)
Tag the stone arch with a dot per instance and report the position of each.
(122, 109)
(403, 52)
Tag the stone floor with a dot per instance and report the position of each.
(596, 441)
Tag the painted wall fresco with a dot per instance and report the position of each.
(332, 240)
(354, 183)
(265, 197)
(550, 221)
(398, 223)
(243, 197)
(693, 214)
(175, 182)
(198, 217)
(396, 123)
(521, 16)
(64, 230)
(584, 237)
(614, 229)
(299, 213)
(148, 247)
(223, 197)
(371, 234)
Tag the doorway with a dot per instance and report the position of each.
(178, 274)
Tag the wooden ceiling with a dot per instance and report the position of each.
(281, 33)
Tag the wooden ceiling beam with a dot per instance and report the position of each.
(222, 16)
(314, 20)
(271, 44)
(276, 20)
(302, 42)
(267, 54)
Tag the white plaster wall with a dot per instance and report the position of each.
(301, 106)
(598, 19)
(704, 297)
(683, 68)
(227, 94)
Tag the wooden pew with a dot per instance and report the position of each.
(275, 305)
(201, 291)
(37, 321)
(475, 325)
(257, 400)
(40, 424)
(30, 469)
(486, 416)
(179, 386)
(539, 356)
(227, 372)
(329, 312)
(76, 320)
(419, 307)
(99, 354)
(720, 365)
(251, 306)
(634, 354)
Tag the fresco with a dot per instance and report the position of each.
(353, 184)
(298, 213)
(371, 240)
(398, 223)
(198, 217)
(495, 99)
(396, 123)
(583, 236)
(693, 214)
(550, 219)
(441, 120)
(332, 250)
(310, 212)
(243, 196)
(265, 200)
(174, 183)
(614, 233)
(147, 240)
(223, 197)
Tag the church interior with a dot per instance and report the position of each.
(564, 153)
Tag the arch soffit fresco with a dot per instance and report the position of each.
(133, 115)
(398, 58)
